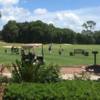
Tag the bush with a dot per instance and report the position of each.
(86, 53)
(71, 54)
(28, 72)
(4, 79)
(66, 90)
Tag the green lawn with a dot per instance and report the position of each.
(54, 57)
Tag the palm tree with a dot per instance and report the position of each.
(29, 72)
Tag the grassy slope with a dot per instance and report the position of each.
(54, 57)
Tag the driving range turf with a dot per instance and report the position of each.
(54, 58)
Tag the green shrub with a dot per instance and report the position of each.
(4, 79)
(66, 90)
(28, 72)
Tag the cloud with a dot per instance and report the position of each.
(40, 11)
(66, 19)
(8, 2)
(14, 13)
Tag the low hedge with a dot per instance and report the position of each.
(66, 90)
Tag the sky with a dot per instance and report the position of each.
(62, 13)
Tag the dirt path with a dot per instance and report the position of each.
(71, 70)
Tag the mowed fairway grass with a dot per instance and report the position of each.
(54, 58)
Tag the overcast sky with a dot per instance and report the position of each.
(62, 13)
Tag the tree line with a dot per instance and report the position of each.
(40, 32)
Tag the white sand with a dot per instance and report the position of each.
(71, 77)
(67, 44)
(67, 76)
(7, 75)
(34, 44)
(10, 46)
(6, 46)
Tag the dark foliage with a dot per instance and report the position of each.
(68, 90)
(37, 32)
(29, 72)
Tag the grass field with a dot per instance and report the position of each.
(54, 57)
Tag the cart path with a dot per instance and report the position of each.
(71, 70)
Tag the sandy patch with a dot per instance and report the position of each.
(69, 73)
(11, 46)
(23, 45)
(67, 44)
(72, 76)
(9, 75)
(72, 70)
(33, 44)
(67, 76)
(5, 71)
(7, 46)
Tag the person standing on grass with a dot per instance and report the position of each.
(5, 50)
(60, 52)
(50, 48)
